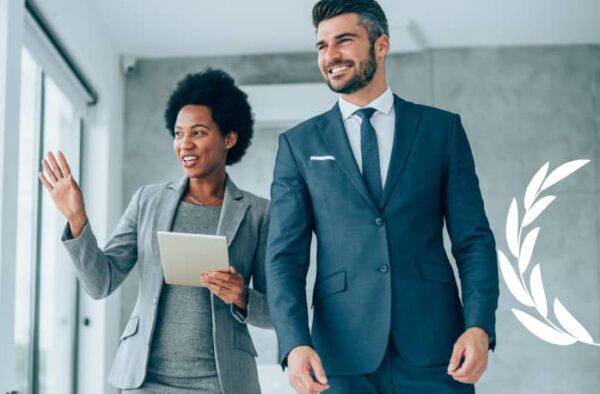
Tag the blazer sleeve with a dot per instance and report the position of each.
(473, 244)
(257, 312)
(288, 252)
(102, 271)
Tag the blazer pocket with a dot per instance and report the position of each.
(243, 341)
(437, 272)
(330, 285)
(131, 328)
(321, 164)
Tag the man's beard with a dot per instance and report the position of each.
(361, 78)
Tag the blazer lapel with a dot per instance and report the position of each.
(233, 211)
(334, 134)
(408, 117)
(168, 205)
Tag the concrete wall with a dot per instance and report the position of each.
(521, 107)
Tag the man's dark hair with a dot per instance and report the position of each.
(228, 104)
(370, 14)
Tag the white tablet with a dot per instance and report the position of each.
(184, 257)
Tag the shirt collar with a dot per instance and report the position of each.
(383, 104)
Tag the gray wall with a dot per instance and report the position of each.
(521, 107)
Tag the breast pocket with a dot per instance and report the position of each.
(322, 163)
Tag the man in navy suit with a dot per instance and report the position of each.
(374, 178)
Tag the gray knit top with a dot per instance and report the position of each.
(182, 355)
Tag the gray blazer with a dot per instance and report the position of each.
(243, 220)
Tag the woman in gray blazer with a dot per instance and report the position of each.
(181, 339)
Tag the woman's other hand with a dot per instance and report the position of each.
(228, 286)
(64, 191)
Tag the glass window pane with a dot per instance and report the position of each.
(29, 114)
(61, 130)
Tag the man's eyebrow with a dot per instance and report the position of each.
(338, 37)
(344, 35)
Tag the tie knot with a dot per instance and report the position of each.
(365, 113)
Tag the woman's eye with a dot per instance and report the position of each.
(198, 133)
(178, 134)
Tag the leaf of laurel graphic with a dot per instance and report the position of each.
(542, 330)
(537, 208)
(535, 295)
(566, 319)
(527, 249)
(512, 281)
(562, 172)
(533, 188)
(512, 228)
(537, 291)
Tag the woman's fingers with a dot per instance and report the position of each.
(66, 170)
(227, 294)
(222, 292)
(49, 173)
(233, 277)
(55, 167)
(222, 283)
(45, 182)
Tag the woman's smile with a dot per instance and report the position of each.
(189, 160)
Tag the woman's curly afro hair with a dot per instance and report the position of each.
(228, 104)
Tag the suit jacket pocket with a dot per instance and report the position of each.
(318, 165)
(243, 341)
(131, 328)
(437, 272)
(330, 285)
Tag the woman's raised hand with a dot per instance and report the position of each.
(64, 191)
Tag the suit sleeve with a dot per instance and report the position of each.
(257, 313)
(288, 252)
(102, 271)
(473, 244)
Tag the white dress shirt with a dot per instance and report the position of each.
(384, 123)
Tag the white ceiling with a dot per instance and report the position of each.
(184, 28)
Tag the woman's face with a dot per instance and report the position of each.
(198, 143)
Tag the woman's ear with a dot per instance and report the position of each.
(231, 139)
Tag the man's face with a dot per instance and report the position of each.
(346, 57)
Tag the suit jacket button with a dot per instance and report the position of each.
(379, 221)
(384, 268)
(155, 301)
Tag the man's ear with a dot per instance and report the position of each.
(382, 45)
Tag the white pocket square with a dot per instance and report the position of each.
(319, 158)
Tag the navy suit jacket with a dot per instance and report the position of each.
(381, 268)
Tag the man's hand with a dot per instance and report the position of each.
(303, 360)
(472, 349)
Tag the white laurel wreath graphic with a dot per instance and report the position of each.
(568, 330)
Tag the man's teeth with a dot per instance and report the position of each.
(339, 69)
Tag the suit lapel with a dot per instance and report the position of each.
(408, 117)
(233, 211)
(334, 134)
(167, 206)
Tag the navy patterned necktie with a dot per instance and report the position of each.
(370, 154)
